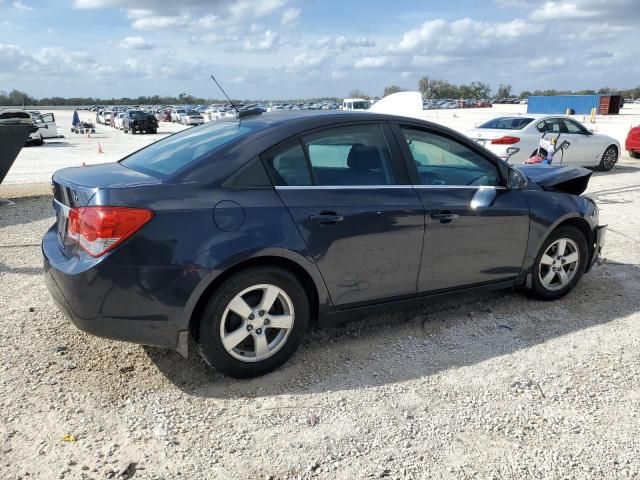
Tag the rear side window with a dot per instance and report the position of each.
(287, 165)
(507, 123)
(165, 157)
(550, 125)
(352, 155)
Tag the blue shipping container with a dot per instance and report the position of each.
(581, 104)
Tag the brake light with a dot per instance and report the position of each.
(100, 229)
(506, 140)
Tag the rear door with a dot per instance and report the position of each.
(476, 230)
(349, 195)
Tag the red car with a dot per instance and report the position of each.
(165, 116)
(632, 144)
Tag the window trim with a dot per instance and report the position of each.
(409, 161)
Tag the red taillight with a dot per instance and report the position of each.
(506, 140)
(100, 229)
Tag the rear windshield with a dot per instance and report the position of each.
(507, 123)
(165, 157)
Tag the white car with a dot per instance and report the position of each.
(586, 148)
(117, 120)
(176, 114)
(191, 118)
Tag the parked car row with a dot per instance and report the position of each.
(134, 120)
(436, 104)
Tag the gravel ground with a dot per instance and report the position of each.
(493, 386)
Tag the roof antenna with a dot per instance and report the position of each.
(225, 94)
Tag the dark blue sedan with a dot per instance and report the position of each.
(243, 233)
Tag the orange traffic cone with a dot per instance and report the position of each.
(100, 148)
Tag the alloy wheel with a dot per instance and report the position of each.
(257, 322)
(559, 264)
(609, 158)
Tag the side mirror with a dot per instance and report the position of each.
(516, 180)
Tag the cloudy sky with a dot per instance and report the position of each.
(301, 48)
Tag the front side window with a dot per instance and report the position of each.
(352, 155)
(574, 127)
(443, 161)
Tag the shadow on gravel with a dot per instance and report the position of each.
(421, 342)
(617, 170)
(26, 210)
(20, 270)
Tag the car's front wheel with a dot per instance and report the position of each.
(560, 263)
(254, 322)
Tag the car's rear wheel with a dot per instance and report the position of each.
(609, 158)
(633, 154)
(560, 263)
(254, 322)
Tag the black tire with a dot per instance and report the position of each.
(39, 142)
(633, 154)
(538, 289)
(125, 130)
(606, 163)
(210, 343)
(133, 131)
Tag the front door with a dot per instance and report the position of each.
(47, 125)
(583, 149)
(476, 230)
(361, 221)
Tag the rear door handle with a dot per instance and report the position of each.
(445, 216)
(326, 218)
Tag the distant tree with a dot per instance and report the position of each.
(391, 89)
(525, 94)
(605, 91)
(480, 90)
(355, 93)
(425, 88)
(504, 91)
(585, 92)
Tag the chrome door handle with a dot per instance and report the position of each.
(326, 218)
(445, 216)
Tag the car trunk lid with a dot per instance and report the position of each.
(567, 179)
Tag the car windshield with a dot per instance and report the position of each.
(135, 113)
(360, 105)
(165, 157)
(507, 123)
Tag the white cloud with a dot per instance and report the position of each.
(343, 42)
(136, 43)
(19, 5)
(461, 36)
(372, 62)
(290, 15)
(268, 42)
(546, 63)
(308, 60)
